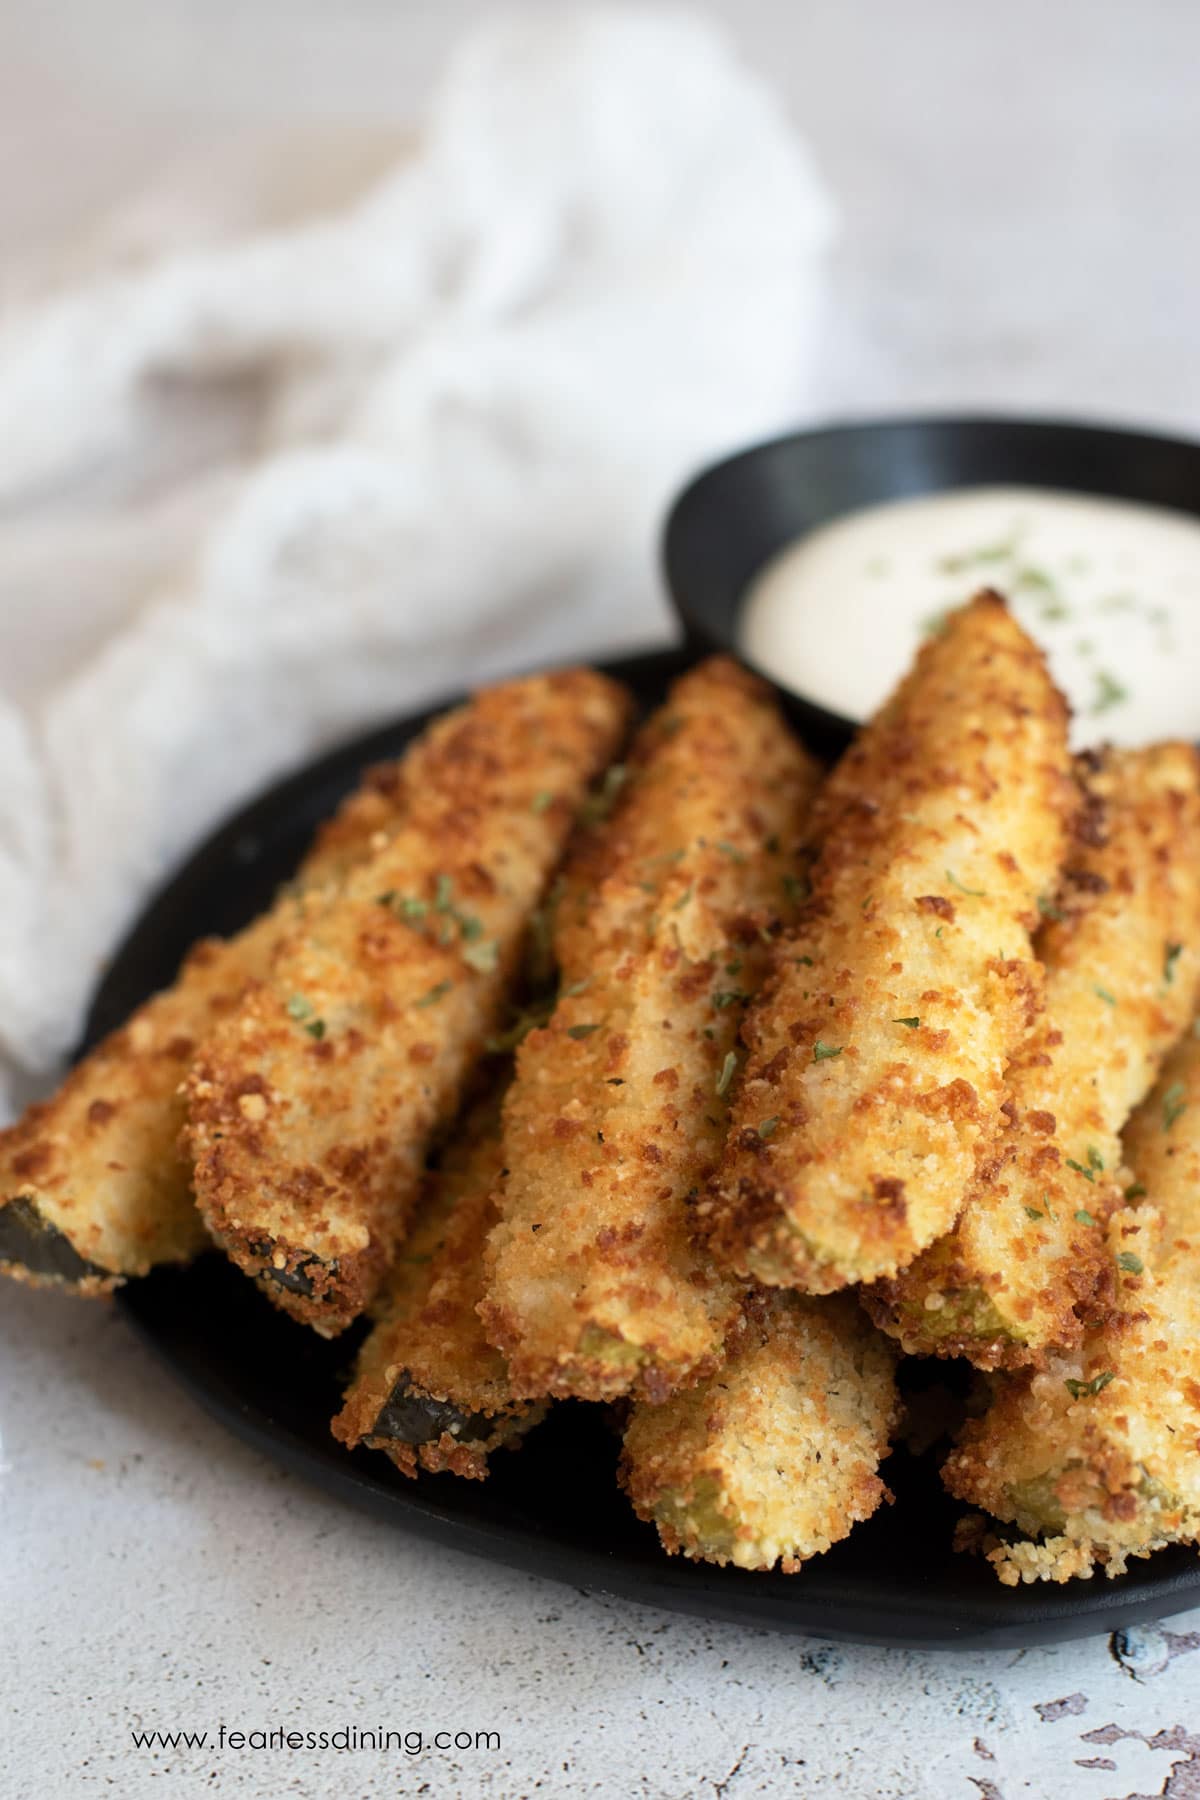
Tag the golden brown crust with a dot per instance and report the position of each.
(1121, 950)
(100, 1161)
(428, 1355)
(311, 1108)
(618, 1110)
(776, 1456)
(881, 1043)
(1096, 1458)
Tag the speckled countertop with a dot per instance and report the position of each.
(1017, 190)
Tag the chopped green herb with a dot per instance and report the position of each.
(1084, 1218)
(1080, 1170)
(530, 1018)
(804, 962)
(1132, 1265)
(1034, 1213)
(1079, 1390)
(734, 967)
(823, 1052)
(1030, 577)
(730, 850)
(1135, 1192)
(975, 893)
(443, 893)
(597, 806)
(795, 889)
(729, 997)
(1174, 952)
(301, 1009)
(1048, 909)
(615, 1080)
(1095, 1160)
(435, 993)
(1109, 692)
(483, 957)
(581, 1031)
(728, 1069)
(966, 559)
(542, 802)
(683, 899)
(911, 1023)
(1102, 993)
(768, 1126)
(1173, 1104)
(576, 987)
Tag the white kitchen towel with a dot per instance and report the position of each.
(261, 492)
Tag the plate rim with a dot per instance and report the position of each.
(1007, 1618)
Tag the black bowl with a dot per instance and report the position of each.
(733, 517)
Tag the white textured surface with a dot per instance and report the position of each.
(1018, 189)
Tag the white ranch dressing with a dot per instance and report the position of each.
(1109, 588)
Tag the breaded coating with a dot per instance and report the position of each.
(1096, 1458)
(94, 1187)
(429, 1389)
(1121, 951)
(881, 1044)
(776, 1456)
(312, 1107)
(619, 1107)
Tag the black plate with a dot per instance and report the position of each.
(552, 1508)
(733, 517)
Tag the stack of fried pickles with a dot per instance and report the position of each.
(673, 1074)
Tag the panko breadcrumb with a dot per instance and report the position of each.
(880, 1047)
(1121, 950)
(312, 1107)
(93, 1186)
(775, 1457)
(1096, 1458)
(619, 1106)
(429, 1389)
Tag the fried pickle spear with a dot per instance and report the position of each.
(429, 1389)
(776, 1456)
(879, 1049)
(619, 1109)
(1096, 1458)
(93, 1188)
(1121, 951)
(312, 1107)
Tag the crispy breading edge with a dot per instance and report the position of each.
(614, 1117)
(774, 1458)
(916, 915)
(1122, 957)
(322, 1208)
(1107, 1438)
(138, 1068)
(428, 1336)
